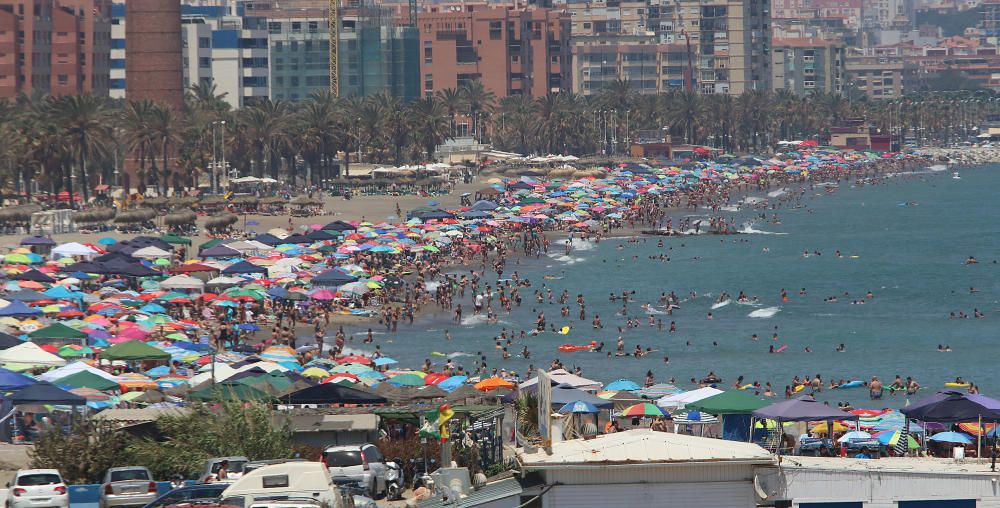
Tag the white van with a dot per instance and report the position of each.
(288, 480)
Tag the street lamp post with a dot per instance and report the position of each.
(359, 140)
(222, 145)
(215, 164)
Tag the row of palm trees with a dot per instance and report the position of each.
(79, 141)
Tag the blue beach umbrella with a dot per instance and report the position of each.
(622, 385)
(578, 407)
(384, 361)
(951, 437)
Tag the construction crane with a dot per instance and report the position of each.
(334, 23)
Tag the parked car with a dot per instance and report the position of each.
(362, 465)
(196, 494)
(33, 488)
(289, 480)
(233, 473)
(127, 486)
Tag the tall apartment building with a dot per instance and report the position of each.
(227, 51)
(60, 47)
(729, 40)
(877, 72)
(807, 66)
(510, 50)
(649, 67)
(281, 51)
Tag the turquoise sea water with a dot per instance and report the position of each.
(910, 257)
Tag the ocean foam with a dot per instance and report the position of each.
(777, 193)
(764, 313)
(748, 229)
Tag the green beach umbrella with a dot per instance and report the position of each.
(87, 379)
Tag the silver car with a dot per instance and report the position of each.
(361, 465)
(127, 486)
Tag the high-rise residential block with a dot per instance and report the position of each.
(59, 47)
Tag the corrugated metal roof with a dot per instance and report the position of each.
(913, 465)
(643, 446)
(488, 493)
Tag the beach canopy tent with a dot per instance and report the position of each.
(484, 205)
(219, 251)
(127, 269)
(29, 353)
(680, 400)
(230, 392)
(953, 407)
(174, 239)
(339, 225)
(194, 268)
(268, 239)
(8, 341)
(728, 403)
(25, 295)
(297, 239)
(565, 394)
(34, 276)
(47, 394)
(73, 368)
(84, 267)
(18, 309)
(560, 377)
(802, 409)
(735, 408)
(10, 380)
(182, 282)
(87, 379)
(57, 331)
(332, 393)
(244, 267)
(37, 240)
(333, 277)
(320, 235)
(134, 350)
(151, 252)
(73, 249)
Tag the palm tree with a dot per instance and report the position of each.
(139, 137)
(204, 96)
(477, 101)
(84, 120)
(430, 124)
(317, 125)
(451, 99)
(266, 127)
(166, 132)
(686, 110)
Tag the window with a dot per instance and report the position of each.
(295, 81)
(204, 62)
(274, 27)
(296, 27)
(204, 42)
(342, 458)
(129, 474)
(496, 30)
(313, 27)
(428, 55)
(63, 79)
(274, 481)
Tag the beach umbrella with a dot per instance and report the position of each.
(493, 383)
(622, 385)
(659, 390)
(823, 429)
(408, 379)
(363, 360)
(951, 437)
(384, 360)
(857, 434)
(279, 354)
(890, 438)
(578, 407)
(643, 409)
(315, 372)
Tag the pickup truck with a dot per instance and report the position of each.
(127, 486)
